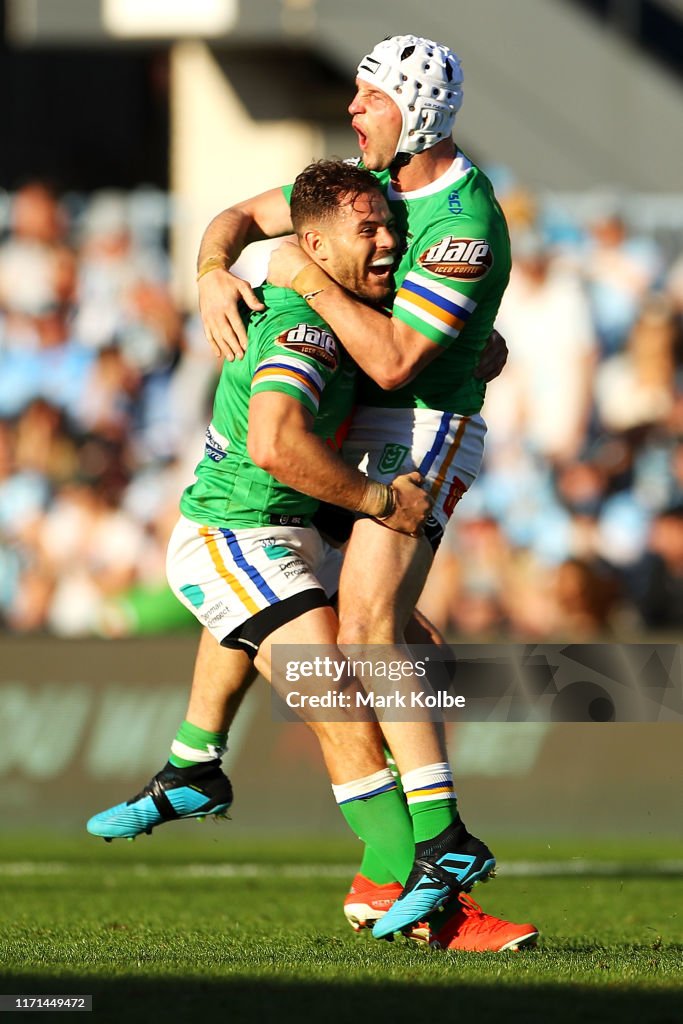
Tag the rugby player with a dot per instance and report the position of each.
(229, 545)
(244, 556)
(421, 400)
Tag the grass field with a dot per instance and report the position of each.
(180, 929)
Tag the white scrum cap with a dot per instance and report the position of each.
(424, 79)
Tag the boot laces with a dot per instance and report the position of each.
(478, 919)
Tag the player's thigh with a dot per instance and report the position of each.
(317, 626)
(446, 448)
(421, 630)
(382, 578)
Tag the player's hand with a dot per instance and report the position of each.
(285, 263)
(220, 293)
(413, 505)
(493, 358)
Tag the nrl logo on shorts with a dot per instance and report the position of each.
(391, 458)
(465, 259)
(311, 341)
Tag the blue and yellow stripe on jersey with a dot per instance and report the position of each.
(295, 373)
(441, 309)
(209, 537)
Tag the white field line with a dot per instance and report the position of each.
(515, 869)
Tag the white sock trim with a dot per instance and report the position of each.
(428, 775)
(193, 754)
(362, 789)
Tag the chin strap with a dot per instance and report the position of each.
(400, 160)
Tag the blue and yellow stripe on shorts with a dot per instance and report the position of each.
(229, 577)
(432, 454)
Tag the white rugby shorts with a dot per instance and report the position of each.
(235, 581)
(444, 447)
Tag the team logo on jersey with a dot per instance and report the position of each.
(465, 259)
(391, 458)
(433, 531)
(311, 341)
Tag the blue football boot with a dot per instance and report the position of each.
(450, 863)
(173, 793)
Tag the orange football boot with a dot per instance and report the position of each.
(470, 930)
(367, 901)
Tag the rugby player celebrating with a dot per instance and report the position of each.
(451, 278)
(420, 403)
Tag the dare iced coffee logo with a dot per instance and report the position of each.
(465, 259)
(311, 341)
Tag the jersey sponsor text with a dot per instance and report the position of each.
(313, 342)
(465, 259)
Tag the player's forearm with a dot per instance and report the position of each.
(370, 337)
(305, 463)
(226, 236)
(264, 216)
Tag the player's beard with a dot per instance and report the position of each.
(359, 281)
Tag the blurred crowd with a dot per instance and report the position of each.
(573, 531)
(103, 385)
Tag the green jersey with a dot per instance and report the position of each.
(290, 350)
(450, 282)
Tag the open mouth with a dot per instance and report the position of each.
(382, 268)
(362, 137)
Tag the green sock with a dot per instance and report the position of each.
(372, 867)
(431, 819)
(431, 800)
(384, 825)
(193, 745)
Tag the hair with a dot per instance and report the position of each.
(324, 186)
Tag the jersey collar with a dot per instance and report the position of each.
(459, 168)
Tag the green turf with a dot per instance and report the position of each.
(139, 928)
